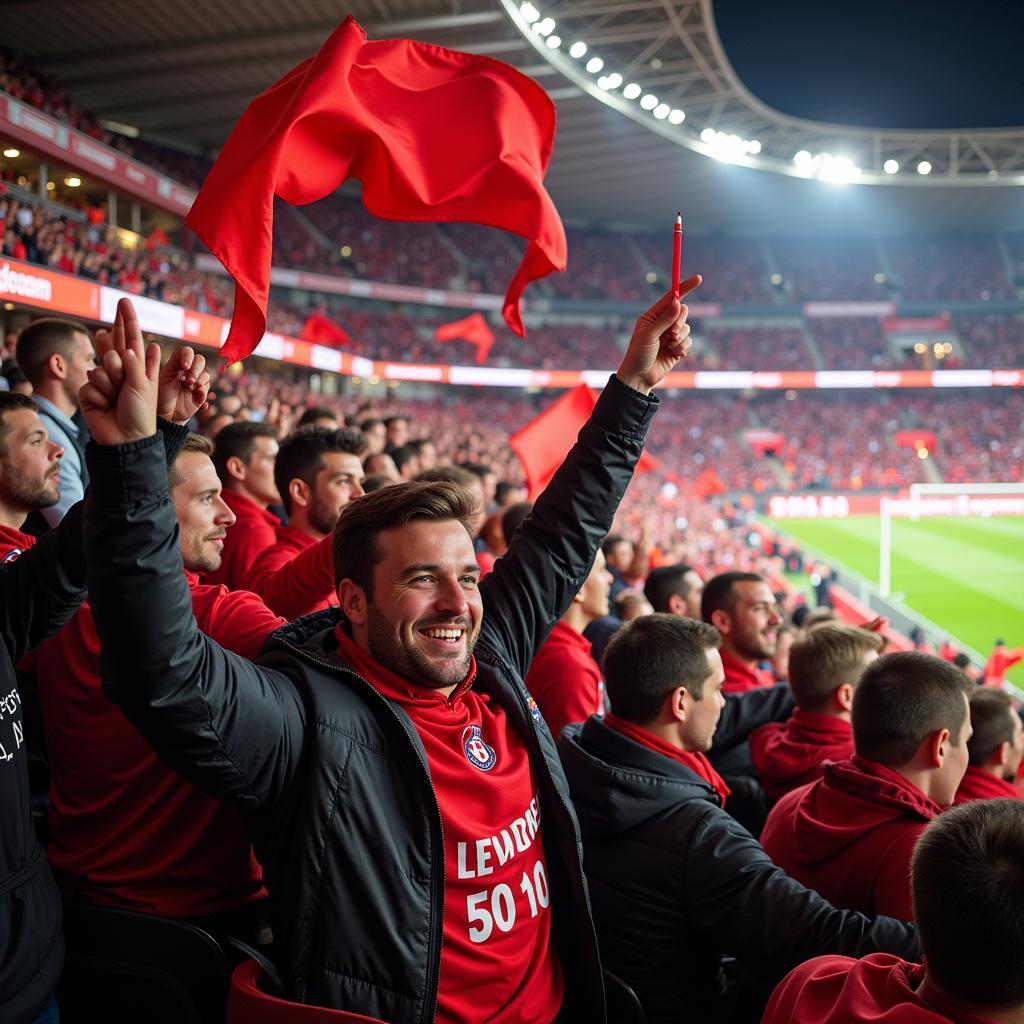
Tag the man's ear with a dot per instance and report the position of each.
(844, 696)
(236, 467)
(1002, 753)
(937, 747)
(678, 704)
(299, 492)
(352, 599)
(721, 620)
(57, 365)
(676, 605)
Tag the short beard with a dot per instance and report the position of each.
(387, 649)
(25, 493)
(323, 517)
(199, 561)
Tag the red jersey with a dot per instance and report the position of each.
(254, 531)
(741, 677)
(998, 662)
(126, 830)
(880, 989)
(979, 784)
(564, 679)
(13, 543)
(295, 575)
(498, 962)
(790, 754)
(850, 836)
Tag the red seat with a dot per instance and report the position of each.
(249, 1004)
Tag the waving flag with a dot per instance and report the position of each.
(474, 329)
(432, 134)
(320, 330)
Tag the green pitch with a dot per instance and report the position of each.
(966, 575)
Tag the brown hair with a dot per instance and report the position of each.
(902, 699)
(12, 401)
(355, 535)
(992, 719)
(195, 443)
(825, 658)
(40, 340)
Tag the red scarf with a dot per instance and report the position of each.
(692, 759)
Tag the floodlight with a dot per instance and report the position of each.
(924, 167)
(594, 65)
(891, 166)
(649, 102)
(578, 50)
(632, 91)
(676, 117)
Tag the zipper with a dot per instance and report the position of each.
(436, 934)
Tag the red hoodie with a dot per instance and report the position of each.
(740, 677)
(564, 679)
(498, 962)
(979, 784)
(878, 989)
(13, 543)
(254, 531)
(126, 830)
(850, 836)
(295, 575)
(790, 754)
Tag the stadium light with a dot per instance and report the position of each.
(632, 91)
(891, 166)
(10, 152)
(924, 167)
(724, 146)
(879, 278)
(661, 111)
(545, 27)
(578, 50)
(649, 102)
(837, 170)
(554, 42)
(529, 12)
(594, 65)
(676, 117)
(73, 181)
(614, 80)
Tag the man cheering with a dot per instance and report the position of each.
(406, 798)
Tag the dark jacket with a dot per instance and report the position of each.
(676, 883)
(332, 775)
(39, 592)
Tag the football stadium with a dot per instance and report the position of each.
(511, 510)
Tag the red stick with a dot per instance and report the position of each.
(677, 255)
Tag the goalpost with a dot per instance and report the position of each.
(926, 500)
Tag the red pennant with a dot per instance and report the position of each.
(432, 134)
(321, 331)
(544, 442)
(474, 329)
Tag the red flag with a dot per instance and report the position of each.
(321, 331)
(433, 135)
(544, 442)
(474, 329)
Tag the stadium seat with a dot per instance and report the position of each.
(624, 1006)
(127, 967)
(248, 1003)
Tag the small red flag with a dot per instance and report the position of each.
(544, 442)
(432, 134)
(319, 330)
(474, 329)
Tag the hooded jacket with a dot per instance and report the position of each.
(790, 754)
(850, 836)
(330, 773)
(882, 989)
(978, 784)
(676, 882)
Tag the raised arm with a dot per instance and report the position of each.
(554, 548)
(230, 727)
(293, 584)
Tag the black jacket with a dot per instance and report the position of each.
(39, 592)
(676, 883)
(332, 775)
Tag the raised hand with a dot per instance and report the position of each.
(119, 400)
(660, 339)
(183, 386)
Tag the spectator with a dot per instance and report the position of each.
(29, 468)
(995, 749)
(783, 648)
(632, 605)
(968, 903)
(396, 433)
(675, 881)
(675, 590)
(741, 606)
(244, 459)
(382, 695)
(179, 853)
(317, 472)
(381, 464)
(319, 416)
(55, 355)
(507, 493)
(426, 450)
(407, 461)
(826, 664)
(850, 835)
(999, 661)
(376, 433)
(618, 554)
(563, 677)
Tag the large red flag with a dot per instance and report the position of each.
(474, 329)
(432, 134)
(544, 442)
(320, 330)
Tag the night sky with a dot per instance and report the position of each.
(899, 64)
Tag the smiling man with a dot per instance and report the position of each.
(406, 797)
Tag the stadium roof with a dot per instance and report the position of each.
(183, 71)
